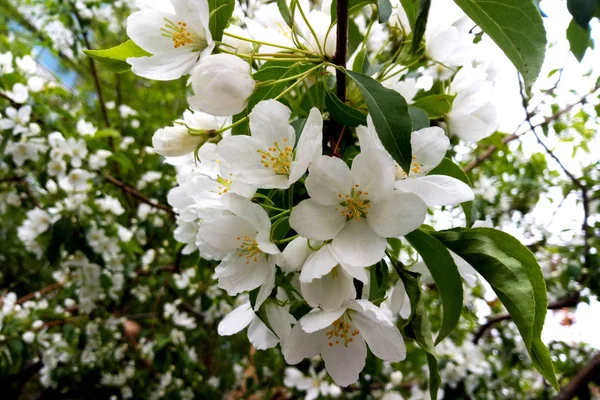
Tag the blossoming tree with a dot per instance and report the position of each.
(305, 181)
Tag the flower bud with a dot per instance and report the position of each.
(28, 337)
(222, 85)
(175, 141)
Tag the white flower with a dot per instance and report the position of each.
(16, 120)
(26, 65)
(314, 385)
(28, 337)
(177, 35)
(77, 150)
(241, 238)
(19, 93)
(236, 45)
(326, 37)
(357, 208)
(399, 300)
(339, 337)
(85, 128)
(473, 117)
(267, 159)
(35, 84)
(222, 85)
(259, 334)
(429, 146)
(6, 63)
(76, 181)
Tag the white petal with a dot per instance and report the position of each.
(398, 297)
(225, 232)
(236, 320)
(253, 213)
(318, 264)
(437, 190)
(144, 28)
(328, 178)
(330, 291)
(269, 123)
(398, 214)
(382, 336)
(163, 67)
(367, 136)
(235, 276)
(374, 171)
(468, 127)
(300, 345)
(310, 145)
(315, 221)
(294, 255)
(261, 336)
(344, 364)
(280, 320)
(467, 272)
(267, 286)
(429, 146)
(317, 320)
(357, 244)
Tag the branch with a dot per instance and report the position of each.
(137, 194)
(570, 301)
(589, 372)
(40, 292)
(341, 47)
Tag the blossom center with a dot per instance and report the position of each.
(415, 168)
(278, 158)
(354, 205)
(180, 35)
(224, 185)
(248, 249)
(341, 331)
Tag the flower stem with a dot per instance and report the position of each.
(286, 240)
(267, 43)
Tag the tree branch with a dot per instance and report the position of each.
(590, 371)
(341, 47)
(570, 301)
(138, 195)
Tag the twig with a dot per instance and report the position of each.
(570, 301)
(587, 373)
(137, 194)
(341, 47)
(40, 292)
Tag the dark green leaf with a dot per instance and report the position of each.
(579, 39)
(516, 26)
(445, 274)
(449, 168)
(115, 58)
(436, 106)
(411, 13)
(412, 285)
(384, 8)
(420, 24)
(62, 233)
(361, 62)
(582, 11)
(343, 113)
(418, 117)
(353, 5)
(220, 13)
(390, 117)
(517, 279)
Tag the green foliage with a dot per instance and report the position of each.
(384, 9)
(390, 117)
(343, 113)
(436, 106)
(516, 27)
(579, 39)
(115, 58)
(582, 11)
(420, 23)
(220, 13)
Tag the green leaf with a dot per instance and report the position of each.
(220, 13)
(390, 117)
(517, 279)
(582, 11)
(516, 26)
(411, 13)
(62, 233)
(361, 62)
(412, 285)
(436, 106)
(420, 24)
(343, 113)
(115, 58)
(449, 168)
(353, 5)
(418, 117)
(384, 8)
(579, 39)
(419, 329)
(445, 274)
(285, 12)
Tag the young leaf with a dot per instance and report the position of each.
(115, 58)
(516, 27)
(384, 8)
(220, 13)
(445, 274)
(390, 117)
(435, 106)
(343, 113)
(579, 39)
(420, 24)
(418, 117)
(516, 277)
(448, 168)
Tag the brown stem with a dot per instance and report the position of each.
(341, 47)
(40, 292)
(137, 194)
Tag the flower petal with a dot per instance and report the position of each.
(300, 345)
(295, 254)
(397, 214)
(267, 286)
(318, 264)
(261, 336)
(163, 67)
(429, 146)
(223, 231)
(374, 171)
(344, 364)
(317, 320)
(437, 190)
(315, 221)
(236, 276)
(328, 178)
(357, 244)
(330, 291)
(269, 124)
(310, 145)
(236, 320)
(400, 302)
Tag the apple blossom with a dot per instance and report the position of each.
(175, 32)
(222, 85)
(267, 158)
(357, 208)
